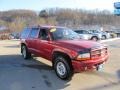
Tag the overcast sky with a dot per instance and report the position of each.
(42, 4)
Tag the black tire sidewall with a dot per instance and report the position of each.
(94, 38)
(28, 55)
(68, 73)
(24, 47)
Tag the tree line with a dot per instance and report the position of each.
(16, 20)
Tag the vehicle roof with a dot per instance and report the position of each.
(80, 30)
(45, 26)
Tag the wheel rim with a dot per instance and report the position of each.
(94, 39)
(61, 70)
(24, 52)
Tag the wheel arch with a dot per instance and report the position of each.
(65, 55)
(105, 36)
(95, 37)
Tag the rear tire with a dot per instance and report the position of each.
(62, 68)
(25, 53)
(94, 38)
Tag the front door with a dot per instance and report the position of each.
(44, 45)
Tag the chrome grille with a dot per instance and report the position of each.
(98, 53)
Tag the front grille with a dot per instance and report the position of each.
(98, 53)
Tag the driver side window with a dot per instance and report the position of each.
(43, 35)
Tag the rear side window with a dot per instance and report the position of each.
(80, 32)
(85, 32)
(34, 33)
(25, 33)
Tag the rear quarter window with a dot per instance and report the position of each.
(34, 33)
(80, 32)
(25, 33)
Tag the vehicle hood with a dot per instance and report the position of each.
(78, 45)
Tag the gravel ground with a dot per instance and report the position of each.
(37, 74)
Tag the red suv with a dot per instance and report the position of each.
(63, 48)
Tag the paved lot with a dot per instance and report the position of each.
(36, 74)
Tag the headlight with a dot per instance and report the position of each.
(83, 56)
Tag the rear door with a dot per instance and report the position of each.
(80, 32)
(32, 40)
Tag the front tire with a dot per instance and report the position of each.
(25, 53)
(104, 37)
(63, 68)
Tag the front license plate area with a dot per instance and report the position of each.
(100, 67)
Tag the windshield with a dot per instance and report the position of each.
(64, 34)
(95, 31)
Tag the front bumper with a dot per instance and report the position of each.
(79, 66)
